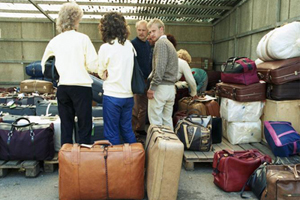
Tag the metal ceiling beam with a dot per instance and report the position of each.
(42, 11)
(90, 3)
(229, 12)
(124, 14)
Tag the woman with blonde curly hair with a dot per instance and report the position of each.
(199, 75)
(74, 55)
(116, 67)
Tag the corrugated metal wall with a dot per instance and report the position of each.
(22, 42)
(239, 33)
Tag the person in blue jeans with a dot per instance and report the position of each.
(115, 58)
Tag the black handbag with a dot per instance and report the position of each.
(137, 82)
(50, 71)
(257, 181)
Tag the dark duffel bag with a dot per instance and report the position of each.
(97, 88)
(17, 110)
(34, 69)
(26, 142)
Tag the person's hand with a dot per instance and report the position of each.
(105, 75)
(150, 94)
(195, 97)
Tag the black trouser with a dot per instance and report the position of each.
(75, 100)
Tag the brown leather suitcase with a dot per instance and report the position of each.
(212, 108)
(194, 106)
(101, 171)
(286, 91)
(282, 182)
(28, 86)
(242, 93)
(164, 159)
(280, 71)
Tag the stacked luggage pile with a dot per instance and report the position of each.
(278, 70)
(33, 105)
(242, 95)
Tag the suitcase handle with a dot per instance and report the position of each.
(102, 142)
(15, 123)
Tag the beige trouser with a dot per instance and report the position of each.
(139, 112)
(160, 108)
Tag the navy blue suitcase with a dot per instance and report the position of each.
(97, 88)
(282, 138)
(34, 69)
(46, 108)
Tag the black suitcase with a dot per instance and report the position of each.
(97, 111)
(286, 91)
(97, 87)
(216, 130)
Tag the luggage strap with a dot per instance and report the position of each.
(106, 172)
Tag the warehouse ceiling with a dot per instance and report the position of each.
(200, 11)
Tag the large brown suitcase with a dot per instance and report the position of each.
(280, 71)
(282, 182)
(194, 106)
(164, 158)
(286, 91)
(242, 93)
(28, 86)
(101, 171)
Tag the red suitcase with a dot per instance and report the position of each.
(242, 93)
(280, 71)
(231, 169)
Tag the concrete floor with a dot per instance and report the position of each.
(193, 185)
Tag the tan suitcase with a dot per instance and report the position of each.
(193, 106)
(40, 86)
(101, 171)
(164, 153)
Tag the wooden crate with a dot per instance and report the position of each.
(51, 165)
(31, 167)
(192, 157)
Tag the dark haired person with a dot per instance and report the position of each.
(74, 54)
(116, 67)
